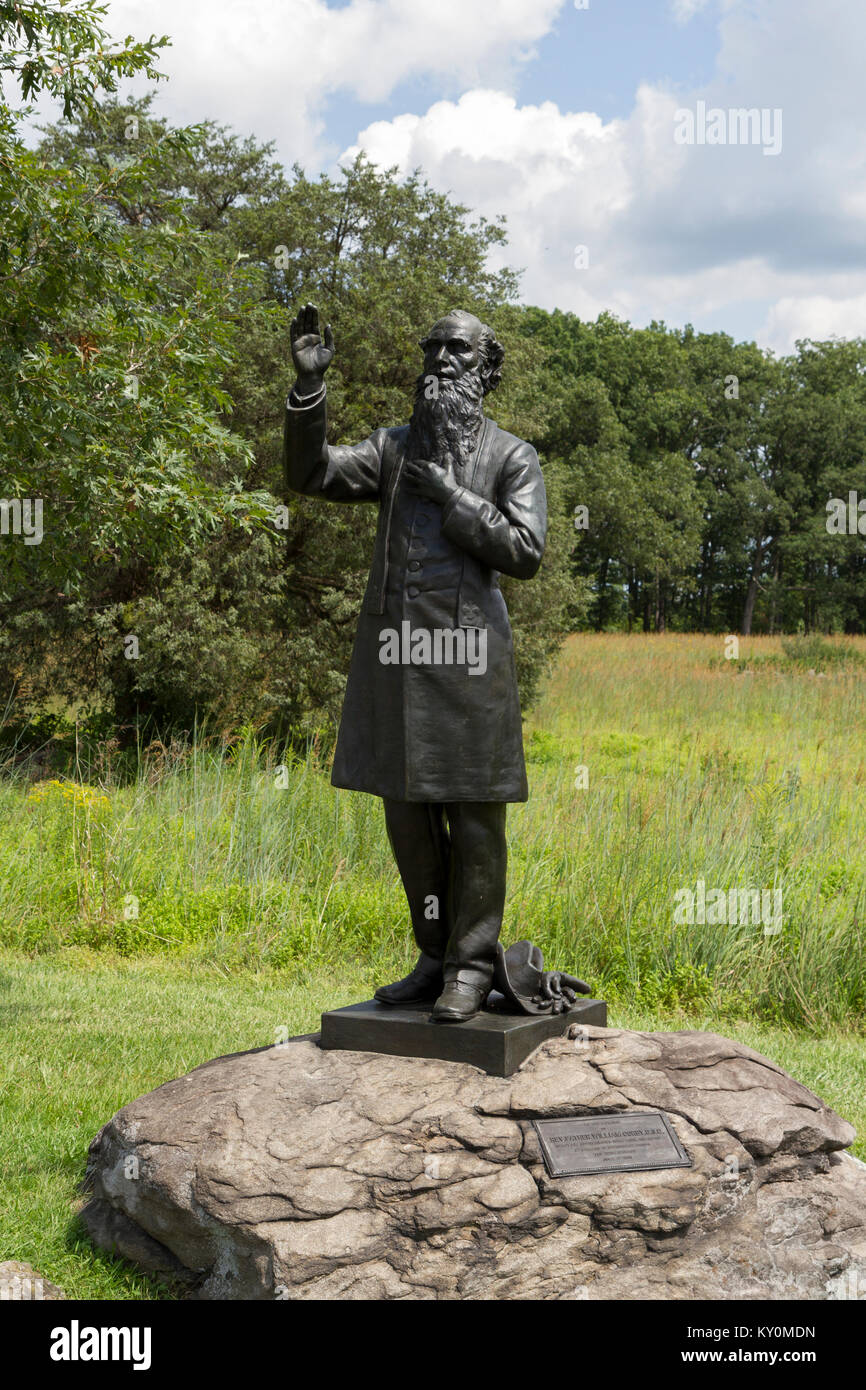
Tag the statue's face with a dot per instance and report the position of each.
(451, 347)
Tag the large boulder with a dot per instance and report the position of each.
(293, 1172)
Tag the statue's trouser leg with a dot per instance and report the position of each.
(478, 865)
(420, 842)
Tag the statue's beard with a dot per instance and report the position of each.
(450, 423)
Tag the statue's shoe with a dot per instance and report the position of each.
(457, 1002)
(423, 984)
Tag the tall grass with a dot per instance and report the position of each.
(746, 774)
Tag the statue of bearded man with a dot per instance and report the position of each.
(431, 717)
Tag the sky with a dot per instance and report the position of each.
(581, 122)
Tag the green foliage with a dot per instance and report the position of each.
(147, 279)
(115, 342)
(61, 48)
(706, 466)
(164, 267)
(816, 653)
(812, 654)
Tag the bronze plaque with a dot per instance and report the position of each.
(609, 1144)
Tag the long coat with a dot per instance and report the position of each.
(430, 732)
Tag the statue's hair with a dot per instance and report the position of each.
(492, 352)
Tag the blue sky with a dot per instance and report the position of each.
(566, 121)
(592, 60)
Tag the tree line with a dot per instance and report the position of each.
(148, 276)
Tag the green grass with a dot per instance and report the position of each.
(84, 1034)
(698, 769)
(153, 920)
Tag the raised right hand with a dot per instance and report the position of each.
(310, 354)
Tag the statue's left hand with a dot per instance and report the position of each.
(433, 480)
(561, 990)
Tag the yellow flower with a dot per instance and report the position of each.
(75, 794)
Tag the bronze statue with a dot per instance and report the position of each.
(431, 717)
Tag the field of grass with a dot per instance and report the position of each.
(742, 774)
(149, 922)
(737, 775)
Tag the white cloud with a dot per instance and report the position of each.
(268, 65)
(560, 177)
(722, 237)
(719, 236)
(684, 10)
(816, 316)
